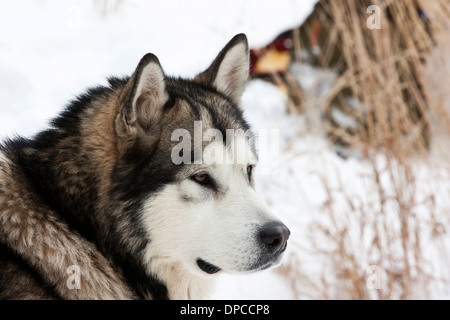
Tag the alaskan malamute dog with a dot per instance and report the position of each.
(115, 202)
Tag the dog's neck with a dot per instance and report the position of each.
(64, 163)
(71, 165)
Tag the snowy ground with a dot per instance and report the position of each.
(53, 50)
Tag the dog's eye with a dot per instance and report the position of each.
(204, 180)
(201, 178)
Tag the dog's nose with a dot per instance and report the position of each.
(275, 236)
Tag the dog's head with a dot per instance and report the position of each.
(193, 157)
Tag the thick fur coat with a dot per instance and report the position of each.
(94, 207)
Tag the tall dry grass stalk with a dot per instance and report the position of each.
(394, 230)
(380, 72)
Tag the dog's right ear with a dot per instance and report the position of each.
(142, 106)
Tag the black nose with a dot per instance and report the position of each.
(275, 236)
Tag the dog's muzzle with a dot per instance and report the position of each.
(272, 239)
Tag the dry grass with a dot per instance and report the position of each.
(380, 70)
(394, 230)
(388, 228)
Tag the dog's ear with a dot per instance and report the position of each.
(229, 72)
(143, 102)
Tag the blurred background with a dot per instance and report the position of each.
(360, 96)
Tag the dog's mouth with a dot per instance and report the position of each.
(207, 267)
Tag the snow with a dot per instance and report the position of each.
(51, 51)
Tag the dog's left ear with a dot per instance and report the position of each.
(229, 72)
